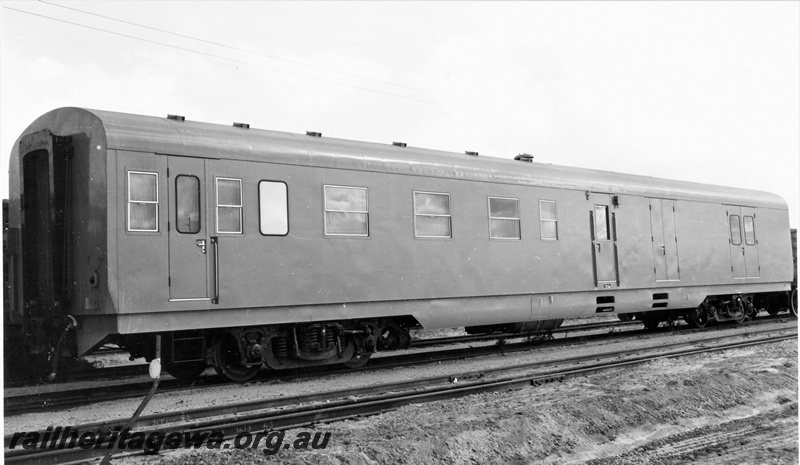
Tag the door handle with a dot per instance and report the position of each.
(663, 250)
(201, 243)
(597, 247)
(742, 250)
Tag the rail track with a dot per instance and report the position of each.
(141, 369)
(301, 411)
(71, 397)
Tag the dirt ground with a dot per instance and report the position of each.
(734, 407)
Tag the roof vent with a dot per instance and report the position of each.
(524, 157)
(241, 125)
(176, 117)
(313, 134)
(399, 144)
(474, 154)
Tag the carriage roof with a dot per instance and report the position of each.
(189, 138)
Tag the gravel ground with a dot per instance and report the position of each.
(739, 406)
(736, 407)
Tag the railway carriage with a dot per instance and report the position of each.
(246, 247)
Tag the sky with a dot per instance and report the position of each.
(697, 91)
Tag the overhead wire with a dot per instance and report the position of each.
(234, 60)
(254, 52)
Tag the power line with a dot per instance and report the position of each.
(254, 52)
(234, 60)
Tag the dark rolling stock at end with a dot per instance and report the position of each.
(245, 248)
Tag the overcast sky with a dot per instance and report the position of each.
(698, 91)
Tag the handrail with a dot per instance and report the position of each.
(215, 243)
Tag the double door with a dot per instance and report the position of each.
(743, 242)
(664, 236)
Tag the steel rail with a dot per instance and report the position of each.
(25, 403)
(140, 369)
(115, 372)
(260, 415)
(16, 405)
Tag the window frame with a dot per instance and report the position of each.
(449, 215)
(738, 226)
(503, 218)
(199, 205)
(542, 220)
(753, 232)
(286, 190)
(147, 202)
(325, 210)
(217, 205)
(606, 221)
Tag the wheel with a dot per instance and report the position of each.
(740, 319)
(793, 304)
(229, 362)
(698, 318)
(357, 361)
(189, 371)
(625, 316)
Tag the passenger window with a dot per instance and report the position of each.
(736, 232)
(346, 211)
(504, 218)
(187, 199)
(601, 223)
(273, 208)
(548, 222)
(229, 205)
(749, 231)
(142, 201)
(432, 215)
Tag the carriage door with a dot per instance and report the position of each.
(604, 241)
(665, 240)
(743, 242)
(188, 237)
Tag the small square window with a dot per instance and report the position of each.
(346, 211)
(432, 215)
(548, 221)
(142, 201)
(229, 206)
(504, 218)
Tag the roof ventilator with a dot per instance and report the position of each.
(474, 154)
(526, 157)
(241, 125)
(399, 144)
(313, 134)
(176, 117)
